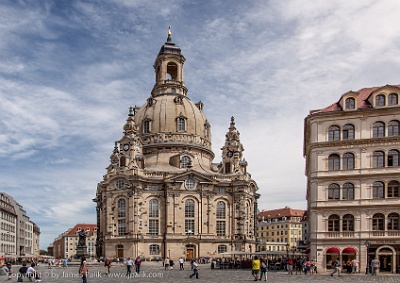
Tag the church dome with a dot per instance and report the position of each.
(169, 117)
(174, 119)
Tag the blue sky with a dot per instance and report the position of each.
(69, 70)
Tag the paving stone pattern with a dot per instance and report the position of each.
(154, 272)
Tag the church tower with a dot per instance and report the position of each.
(162, 195)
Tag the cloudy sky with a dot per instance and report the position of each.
(69, 70)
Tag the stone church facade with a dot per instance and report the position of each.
(162, 195)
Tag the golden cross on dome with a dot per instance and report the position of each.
(169, 31)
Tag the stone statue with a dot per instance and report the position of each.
(82, 238)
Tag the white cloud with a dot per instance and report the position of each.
(68, 74)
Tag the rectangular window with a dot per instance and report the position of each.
(181, 124)
(189, 226)
(121, 227)
(146, 127)
(222, 249)
(154, 249)
(221, 229)
(153, 226)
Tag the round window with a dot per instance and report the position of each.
(190, 183)
(120, 184)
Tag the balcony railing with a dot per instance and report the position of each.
(371, 234)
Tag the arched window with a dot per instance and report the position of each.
(393, 221)
(247, 217)
(348, 161)
(380, 100)
(334, 133)
(153, 208)
(221, 215)
(348, 132)
(122, 161)
(393, 189)
(393, 99)
(393, 158)
(348, 191)
(333, 223)
(221, 210)
(121, 208)
(378, 220)
(146, 127)
(378, 190)
(378, 130)
(334, 191)
(172, 71)
(189, 217)
(186, 162)
(348, 223)
(333, 162)
(153, 217)
(393, 128)
(378, 159)
(154, 249)
(350, 103)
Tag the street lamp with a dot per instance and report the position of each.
(293, 251)
(287, 251)
(367, 245)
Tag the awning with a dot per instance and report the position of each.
(333, 251)
(350, 251)
(307, 251)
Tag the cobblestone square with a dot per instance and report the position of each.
(154, 272)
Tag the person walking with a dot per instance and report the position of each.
(375, 264)
(64, 262)
(107, 264)
(129, 264)
(181, 261)
(255, 268)
(8, 265)
(355, 263)
(336, 265)
(83, 270)
(349, 268)
(264, 269)
(166, 263)
(138, 262)
(195, 270)
(289, 266)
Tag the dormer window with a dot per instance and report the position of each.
(380, 100)
(350, 103)
(181, 124)
(393, 99)
(146, 126)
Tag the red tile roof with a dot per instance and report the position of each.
(74, 230)
(362, 97)
(279, 213)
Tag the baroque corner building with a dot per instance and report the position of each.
(162, 195)
(352, 150)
